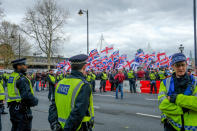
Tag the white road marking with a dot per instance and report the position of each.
(96, 107)
(103, 95)
(148, 115)
(151, 99)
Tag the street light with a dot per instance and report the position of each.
(181, 48)
(81, 12)
(194, 13)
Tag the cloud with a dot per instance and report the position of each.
(126, 24)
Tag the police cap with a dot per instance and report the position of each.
(78, 59)
(178, 57)
(19, 61)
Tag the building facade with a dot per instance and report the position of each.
(36, 62)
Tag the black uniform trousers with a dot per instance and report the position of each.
(132, 85)
(168, 127)
(153, 85)
(103, 84)
(1, 110)
(93, 85)
(21, 119)
(51, 94)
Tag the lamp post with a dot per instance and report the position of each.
(81, 12)
(194, 13)
(181, 48)
(19, 43)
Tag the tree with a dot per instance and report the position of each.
(44, 23)
(1, 11)
(9, 42)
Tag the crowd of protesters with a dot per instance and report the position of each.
(48, 79)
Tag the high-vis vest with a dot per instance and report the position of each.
(52, 78)
(6, 76)
(152, 76)
(61, 76)
(2, 93)
(173, 111)
(93, 76)
(131, 74)
(104, 76)
(161, 75)
(65, 94)
(88, 78)
(13, 92)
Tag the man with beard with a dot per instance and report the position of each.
(20, 97)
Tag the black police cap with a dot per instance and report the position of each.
(79, 59)
(19, 61)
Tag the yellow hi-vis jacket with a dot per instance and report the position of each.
(173, 111)
(2, 93)
(13, 92)
(130, 74)
(66, 92)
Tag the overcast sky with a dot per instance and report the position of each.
(127, 24)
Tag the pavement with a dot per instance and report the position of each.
(136, 112)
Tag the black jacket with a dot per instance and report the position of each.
(27, 98)
(80, 109)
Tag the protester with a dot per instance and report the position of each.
(38, 80)
(119, 78)
(43, 80)
(140, 74)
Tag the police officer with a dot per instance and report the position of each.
(152, 77)
(20, 97)
(72, 109)
(5, 78)
(161, 74)
(178, 98)
(89, 77)
(93, 77)
(2, 100)
(131, 78)
(103, 81)
(52, 81)
(1, 80)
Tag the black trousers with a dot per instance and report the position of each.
(21, 120)
(168, 127)
(1, 110)
(103, 84)
(112, 85)
(132, 85)
(51, 94)
(93, 85)
(153, 85)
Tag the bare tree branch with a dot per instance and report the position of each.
(9, 42)
(44, 23)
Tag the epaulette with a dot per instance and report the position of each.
(85, 81)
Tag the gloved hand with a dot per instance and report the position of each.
(185, 110)
(91, 124)
(56, 127)
(172, 98)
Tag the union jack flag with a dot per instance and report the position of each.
(93, 55)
